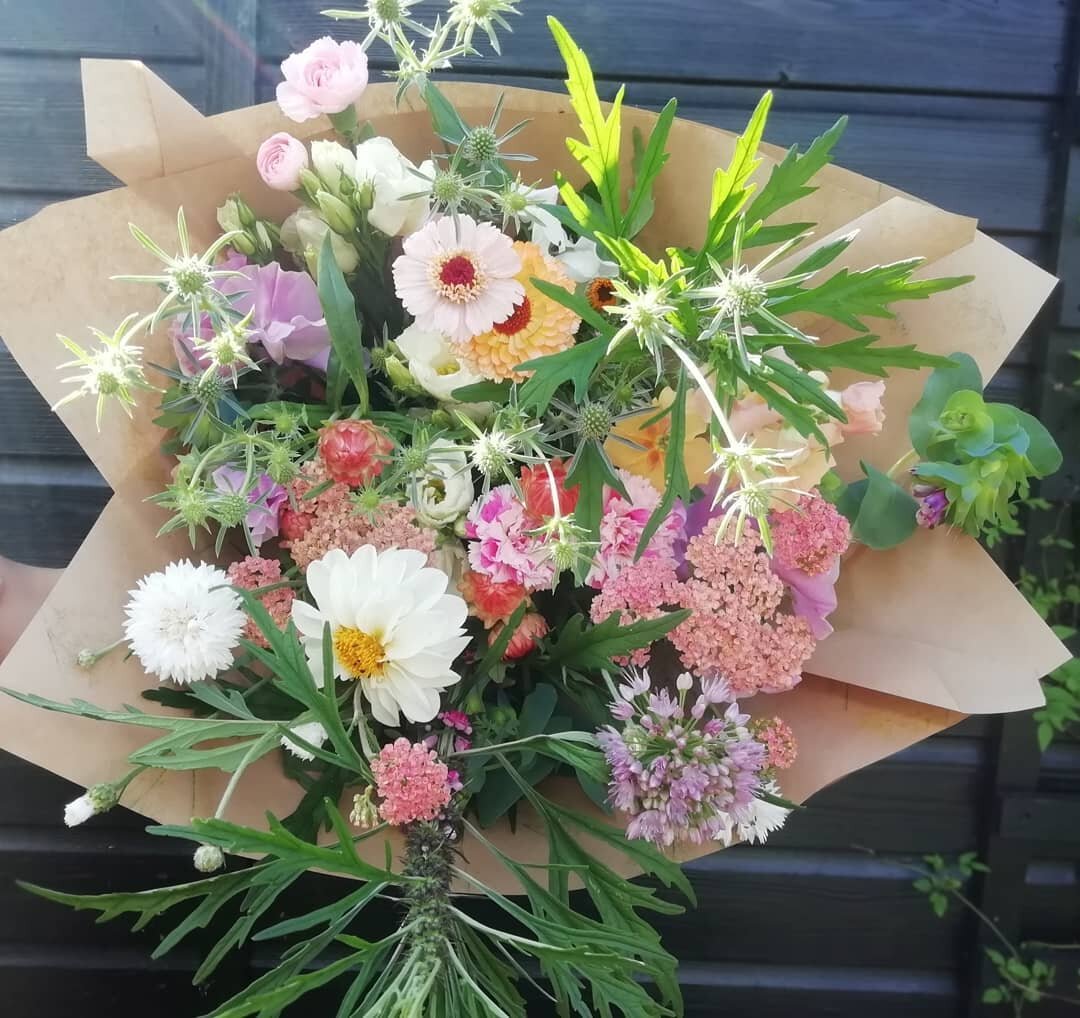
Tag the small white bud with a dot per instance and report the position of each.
(684, 682)
(209, 858)
(78, 811)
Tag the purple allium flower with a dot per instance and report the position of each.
(682, 777)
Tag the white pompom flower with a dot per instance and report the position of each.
(394, 628)
(184, 623)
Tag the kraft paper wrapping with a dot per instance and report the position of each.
(925, 634)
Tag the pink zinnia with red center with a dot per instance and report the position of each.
(456, 276)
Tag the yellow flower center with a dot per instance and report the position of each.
(362, 654)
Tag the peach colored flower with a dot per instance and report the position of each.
(648, 461)
(490, 601)
(537, 326)
(862, 404)
(525, 638)
(327, 77)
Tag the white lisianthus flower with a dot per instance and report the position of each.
(391, 177)
(79, 811)
(444, 488)
(311, 732)
(302, 235)
(331, 161)
(394, 629)
(434, 363)
(183, 624)
(579, 258)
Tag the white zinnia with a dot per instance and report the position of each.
(392, 178)
(444, 489)
(311, 732)
(394, 628)
(79, 811)
(184, 623)
(434, 364)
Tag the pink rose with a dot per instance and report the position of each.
(327, 77)
(862, 404)
(281, 158)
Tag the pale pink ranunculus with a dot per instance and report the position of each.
(327, 77)
(280, 161)
(862, 404)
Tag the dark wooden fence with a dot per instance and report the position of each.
(969, 103)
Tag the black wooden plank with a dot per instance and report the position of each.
(140, 29)
(917, 45)
(42, 135)
(46, 522)
(229, 48)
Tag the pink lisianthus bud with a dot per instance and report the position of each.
(861, 401)
(327, 77)
(280, 160)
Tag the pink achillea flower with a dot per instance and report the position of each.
(623, 523)
(411, 781)
(685, 772)
(779, 741)
(456, 277)
(331, 520)
(251, 573)
(810, 536)
(736, 630)
(642, 590)
(502, 546)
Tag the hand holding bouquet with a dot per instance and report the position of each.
(517, 524)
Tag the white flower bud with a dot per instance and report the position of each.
(209, 858)
(78, 811)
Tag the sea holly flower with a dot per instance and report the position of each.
(184, 623)
(393, 628)
(466, 16)
(415, 69)
(190, 280)
(458, 277)
(265, 496)
(386, 19)
(646, 316)
(452, 191)
(226, 350)
(482, 145)
(112, 371)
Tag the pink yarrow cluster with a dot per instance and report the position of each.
(685, 772)
(642, 590)
(503, 546)
(810, 536)
(779, 741)
(330, 520)
(251, 573)
(736, 629)
(411, 781)
(624, 521)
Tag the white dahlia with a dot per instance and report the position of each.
(184, 623)
(394, 628)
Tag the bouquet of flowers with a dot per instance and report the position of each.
(498, 525)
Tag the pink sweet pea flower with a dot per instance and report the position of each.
(862, 404)
(266, 496)
(280, 160)
(327, 77)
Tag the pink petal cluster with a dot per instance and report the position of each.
(778, 739)
(736, 629)
(280, 161)
(641, 590)
(327, 77)
(251, 573)
(411, 781)
(502, 546)
(266, 496)
(861, 402)
(331, 520)
(811, 535)
(622, 524)
(684, 774)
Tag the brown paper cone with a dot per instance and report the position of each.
(924, 634)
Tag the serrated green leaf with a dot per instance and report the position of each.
(574, 365)
(586, 646)
(648, 163)
(863, 354)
